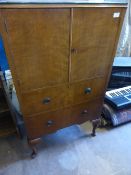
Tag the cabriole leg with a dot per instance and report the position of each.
(95, 124)
(32, 144)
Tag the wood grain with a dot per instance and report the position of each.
(56, 53)
(61, 96)
(39, 124)
(40, 48)
(93, 34)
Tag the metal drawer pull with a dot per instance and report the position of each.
(85, 111)
(50, 123)
(87, 90)
(46, 100)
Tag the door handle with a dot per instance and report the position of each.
(73, 51)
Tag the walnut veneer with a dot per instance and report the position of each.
(60, 58)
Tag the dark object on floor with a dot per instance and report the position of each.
(11, 120)
(115, 117)
(7, 126)
(119, 98)
(121, 73)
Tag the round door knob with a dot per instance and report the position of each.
(46, 100)
(87, 90)
(50, 123)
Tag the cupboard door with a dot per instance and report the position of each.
(39, 42)
(94, 33)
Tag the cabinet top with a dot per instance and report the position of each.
(63, 1)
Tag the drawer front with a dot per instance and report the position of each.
(50, 99)
(87, 90)
(43, 100)
(49, 122)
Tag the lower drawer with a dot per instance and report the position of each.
(49, 122)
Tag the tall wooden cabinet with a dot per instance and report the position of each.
(60, 56)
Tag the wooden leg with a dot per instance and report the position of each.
(95, 124)
(32, 144)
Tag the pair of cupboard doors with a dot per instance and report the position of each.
(55, 46)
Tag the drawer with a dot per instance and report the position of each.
(49, 122)
(87, 90)
(50, 99)
(45, 99)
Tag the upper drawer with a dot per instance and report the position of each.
(53, 98)
(86, 90)
(43, 100)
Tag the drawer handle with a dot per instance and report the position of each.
(50, 123)
(46, 100)
(88, 90)
(85, 111)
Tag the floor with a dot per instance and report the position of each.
(71, 151)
